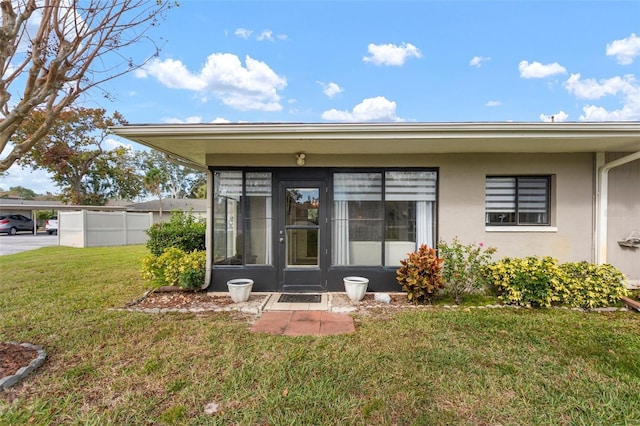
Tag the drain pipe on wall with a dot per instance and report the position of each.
(209, 231)
(603, 200)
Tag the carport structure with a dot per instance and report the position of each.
(30, 208)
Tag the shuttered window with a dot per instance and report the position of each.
(517, 200)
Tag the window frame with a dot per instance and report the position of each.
(517, 223)
(383, 171)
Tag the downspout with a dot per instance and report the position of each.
(603, 201)
(209, 232)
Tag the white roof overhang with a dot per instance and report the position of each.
(193, 142)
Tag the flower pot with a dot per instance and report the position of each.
(240, 289)
(355, 287)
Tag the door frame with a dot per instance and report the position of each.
(301, 279)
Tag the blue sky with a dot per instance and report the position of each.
(417, 61)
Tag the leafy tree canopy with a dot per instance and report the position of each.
(75, 152)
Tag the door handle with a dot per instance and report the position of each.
(281, 240)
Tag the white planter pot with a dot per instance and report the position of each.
(355, 287)
(240, 289)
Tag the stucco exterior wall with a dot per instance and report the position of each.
(462, 198)
(624, 216)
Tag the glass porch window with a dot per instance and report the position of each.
(409, 210)
(357, 219)
(227, 232)
(242, 218)
(258, 219)
(369, 212)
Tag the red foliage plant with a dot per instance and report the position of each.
(420, 275)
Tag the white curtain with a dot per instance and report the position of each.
(341, 233)
(424, 223)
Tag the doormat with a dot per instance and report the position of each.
(300, 298)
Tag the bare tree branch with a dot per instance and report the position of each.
(53, 51)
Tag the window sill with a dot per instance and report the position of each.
(521, 229)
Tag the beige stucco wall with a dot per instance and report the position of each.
(624, 216)
(461, 195)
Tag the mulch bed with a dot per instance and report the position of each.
(13, 357)
(180, 300)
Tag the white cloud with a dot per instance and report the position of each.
(220, 120)
(265, 35)
(556, 118)
(538, 70)
(251, 87)
(592, 89)
(39, 181)
(390, 54)
(330, 89)
(372, 109)
(243, 33)
(493, 104)
(173, 74)
(194, 119)
(625, 50)
(477, 61)
(626, 88)
(112, 143)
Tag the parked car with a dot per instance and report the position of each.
(14, 223)
(52, 225)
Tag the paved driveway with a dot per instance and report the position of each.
(10, 244)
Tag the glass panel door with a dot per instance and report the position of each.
(301, 235)
(301, 226)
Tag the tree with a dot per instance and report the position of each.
(53, 51)
(20, 192)
(178, 181)
(74, 152)
(153, 182)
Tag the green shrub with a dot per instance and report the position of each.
(192, 270)
(464, 268)
(176, 267)
(542, 282)
(183, 231)
(530, 281)
(592, 286)
(420, 275)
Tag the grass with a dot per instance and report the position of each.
(489, 366)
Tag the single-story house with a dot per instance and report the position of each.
(195, 206)
(297, 207)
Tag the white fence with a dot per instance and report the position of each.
(94, 229)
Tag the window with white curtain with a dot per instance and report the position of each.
(517, 200)
(409, 205)
(357, 219)
(393, 211)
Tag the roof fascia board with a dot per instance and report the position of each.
(384, 130)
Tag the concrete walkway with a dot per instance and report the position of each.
(302, 319)
(304, 323)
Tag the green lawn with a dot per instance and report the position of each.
(475, 367)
